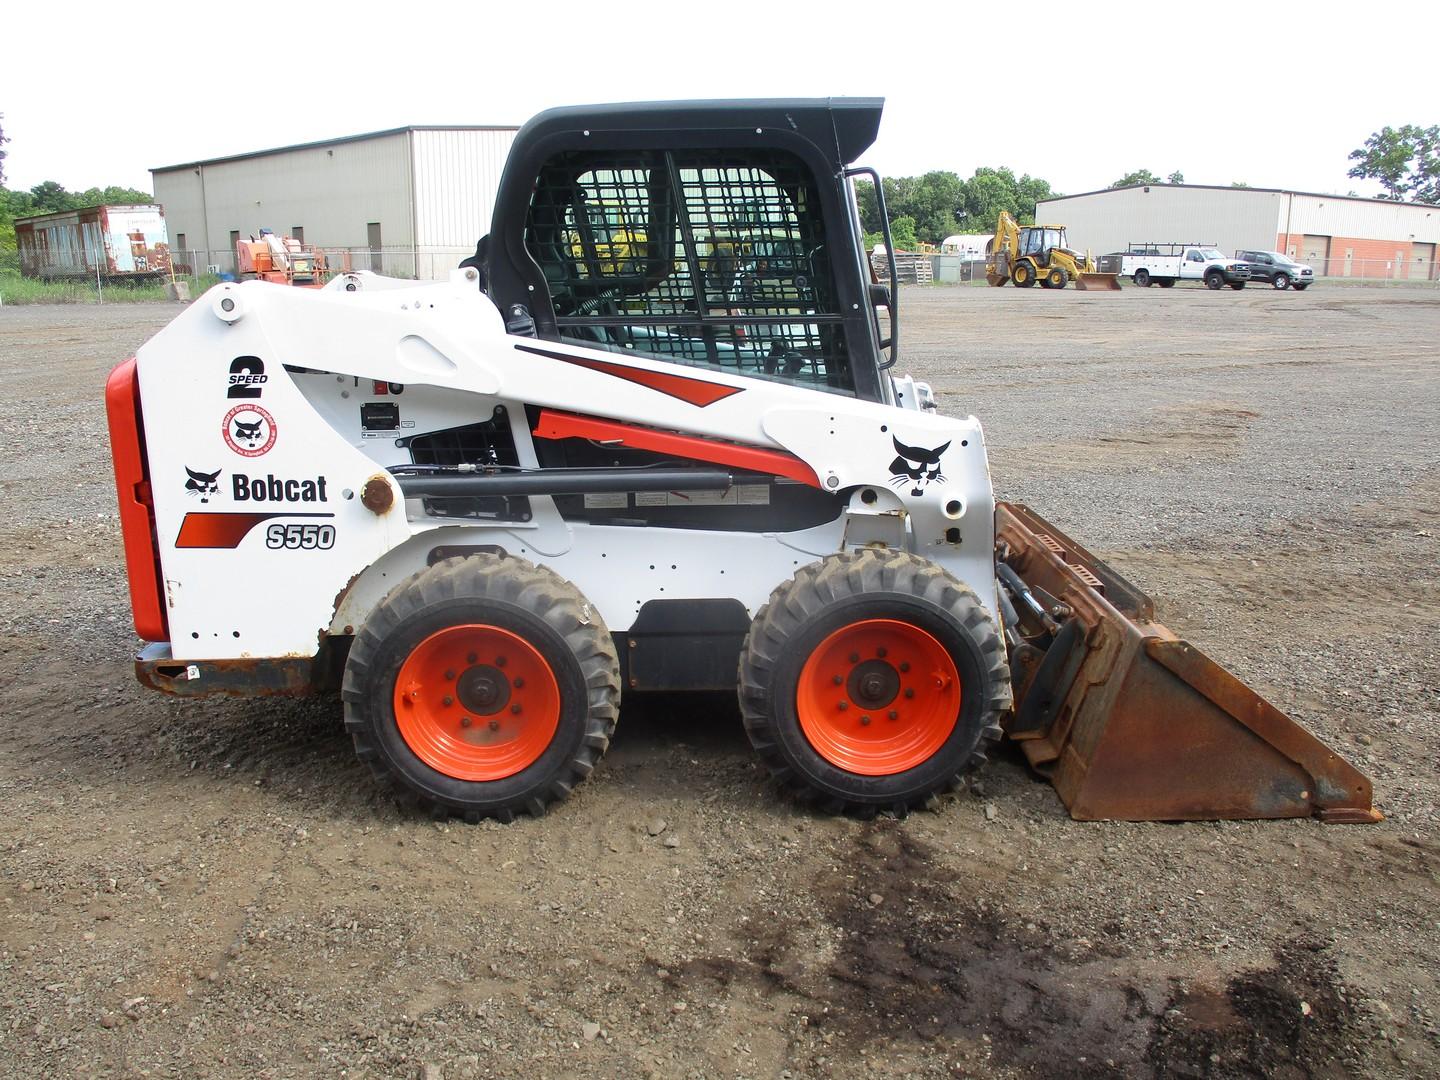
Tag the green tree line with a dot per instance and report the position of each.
(939, 204)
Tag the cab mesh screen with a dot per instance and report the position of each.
(710, 258)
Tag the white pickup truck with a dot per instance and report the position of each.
(1165, 264)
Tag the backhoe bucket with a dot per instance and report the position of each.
(1090, 281)
(1128, 721)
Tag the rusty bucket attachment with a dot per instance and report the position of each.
(1131, 723)
(1090, 281)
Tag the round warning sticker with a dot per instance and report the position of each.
(249, 430)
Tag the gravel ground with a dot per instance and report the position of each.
(218, 889)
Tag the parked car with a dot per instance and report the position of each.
(1280, 270)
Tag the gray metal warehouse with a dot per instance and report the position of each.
(408, 202)
(1339, 235)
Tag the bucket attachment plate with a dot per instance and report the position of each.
(1091, 281)
(1128, 721)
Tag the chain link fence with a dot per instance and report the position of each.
(428, 264)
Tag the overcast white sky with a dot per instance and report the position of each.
(1272, 93)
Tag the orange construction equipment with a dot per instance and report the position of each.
(281, 259)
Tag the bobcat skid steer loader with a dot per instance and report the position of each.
(485, 508)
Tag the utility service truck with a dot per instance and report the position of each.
(1165, 264)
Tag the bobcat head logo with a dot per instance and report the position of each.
(250, 434)
(202, 484)
(916, 466)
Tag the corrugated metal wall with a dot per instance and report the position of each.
(1106, 221)
(333, 191)
(1369, 219)
(457, 173)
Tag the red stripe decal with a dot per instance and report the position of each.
(556, 425)
(699, 392)
(207, 530)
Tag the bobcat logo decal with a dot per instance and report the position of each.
(249, 430)
(916, 466)
(202, 484)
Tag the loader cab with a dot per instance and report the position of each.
(1039, 240)
(718, 235)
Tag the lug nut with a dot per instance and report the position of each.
(838, 679)
(843, 706)
(905, 665)
(880, 652)
(447, 700)
(864, 720)
(515, 709)
(470, 658)
(494, 725)
(518, 682)
(499, 661)
(449, 673)
(464, 721)
(854, 658)
(893, 715)
(909, 691)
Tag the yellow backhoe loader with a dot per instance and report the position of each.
(1026, 254)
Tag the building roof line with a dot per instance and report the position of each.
(1231, 187)
(319, 143)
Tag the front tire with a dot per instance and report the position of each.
(1056, 279)
(485, 685)
(1281, 281)
(1302, 288)
(1215, 280)
(1237, 284)
(1165, 282)
(872, 681)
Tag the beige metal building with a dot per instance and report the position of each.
(411, 201)
(1339, 235)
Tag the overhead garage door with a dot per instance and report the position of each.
(1422, 262)
(1315, 250)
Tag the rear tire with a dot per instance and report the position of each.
(1165, 282)
(510, 647)
(1142, 278)
(1215, 280)
(1023, 276)
(921, 674)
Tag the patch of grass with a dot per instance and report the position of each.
(15, 289)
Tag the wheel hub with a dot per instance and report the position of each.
(873, 684)
(483, 689)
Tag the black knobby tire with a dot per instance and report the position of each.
(1165, 282)
(1215, 280)
(1237, 284)
(841, 591)
(1142, 278)
(534, 604)
(1023, 275)
(1057, 279)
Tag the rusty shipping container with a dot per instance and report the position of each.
(118, 242)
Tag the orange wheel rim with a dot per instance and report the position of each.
(878, 697)
(476, 702)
